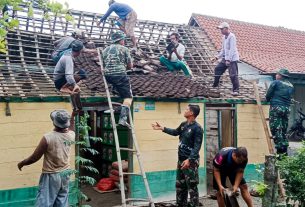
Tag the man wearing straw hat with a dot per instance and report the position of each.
(55, 146)
(279, 95)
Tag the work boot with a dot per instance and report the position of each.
(124, 116)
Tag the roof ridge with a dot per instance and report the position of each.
(282, 28)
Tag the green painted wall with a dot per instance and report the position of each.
(162, 184)
(25, 197)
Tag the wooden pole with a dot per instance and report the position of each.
(270, 179)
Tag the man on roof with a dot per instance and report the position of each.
(174, 60)
(116, 60)
(64, 78)
(65, 43)
(127, 21)
(279, 94)
(229, 58)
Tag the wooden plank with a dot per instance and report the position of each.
(227, 138)
(263, 119)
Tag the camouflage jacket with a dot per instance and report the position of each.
(280, 93)
(115, 59)
(190, 137)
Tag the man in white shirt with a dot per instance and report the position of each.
(175, 58)
(229, 57)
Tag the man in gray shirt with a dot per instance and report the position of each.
(64, 78)
(229, 57)
(65, 43)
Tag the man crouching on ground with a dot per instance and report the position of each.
(190, 137)
(231, 162)
(55, 146)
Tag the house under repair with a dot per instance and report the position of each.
(263, 50)
(27, 96)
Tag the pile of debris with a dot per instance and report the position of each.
(142, 62)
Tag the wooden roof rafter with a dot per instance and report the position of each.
(30, 47)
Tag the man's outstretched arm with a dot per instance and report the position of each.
(173, 132)
(37, 154)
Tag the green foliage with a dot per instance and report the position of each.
(69, 18)
(91, 151)
(84, 163)
(87, 179)
(292, 170)
(259, 187)
(91, 169)
(84, 128)
(50, 8)
(68, 172)
(30, 10)
(96, 139)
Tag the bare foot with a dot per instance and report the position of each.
(66, 90)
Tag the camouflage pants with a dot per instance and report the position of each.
(278, 121)
(186, 182)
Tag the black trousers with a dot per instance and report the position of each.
(233, 71)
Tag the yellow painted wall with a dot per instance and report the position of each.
(250, 131)
(19, 136)
(159, 150)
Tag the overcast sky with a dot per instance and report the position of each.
(286, 13)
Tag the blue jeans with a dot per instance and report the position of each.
(53, 190)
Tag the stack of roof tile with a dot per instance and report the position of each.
(156, 85)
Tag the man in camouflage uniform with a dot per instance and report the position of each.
(190, 137)
(279, 94)
(116, 59)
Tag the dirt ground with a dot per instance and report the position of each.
(114, 199)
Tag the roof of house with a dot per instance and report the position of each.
(26, 70)
(265, 47)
